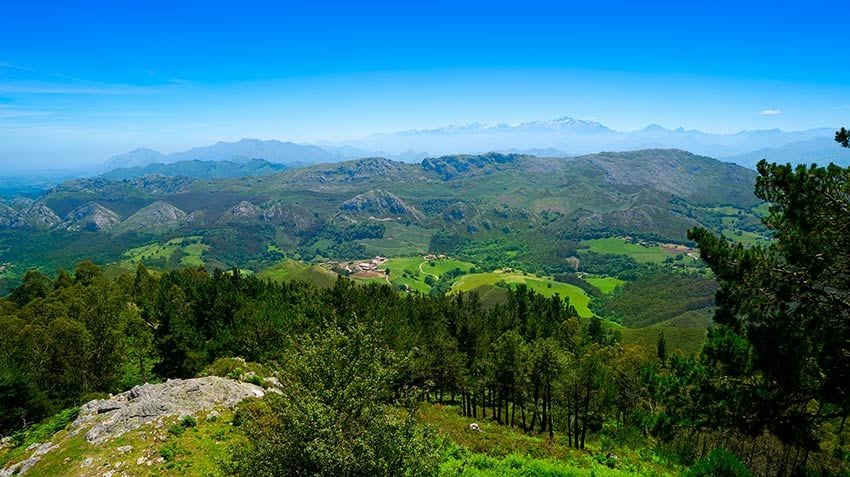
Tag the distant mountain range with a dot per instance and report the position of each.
(537, 209)
(198, 169)
(275, 151)
(635, 192)
(569, 136)
(551, 138)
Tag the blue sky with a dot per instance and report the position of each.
(82, 80)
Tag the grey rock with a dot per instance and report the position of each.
(108, 405)
(150, 402)
(39, 450)
(92, 217)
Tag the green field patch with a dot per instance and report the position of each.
(619, 246)
(192, 254)
(745, 237)
(605, 284)
(413, 271)
(293, 270)
(399, 240)
(7, 270)
(191, 251)
(687, 340)
(546, 287)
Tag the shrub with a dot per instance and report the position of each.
(170, 451)
(176, 429)
(235, 368)
(188, 421)
(333, 418)
(719, 463)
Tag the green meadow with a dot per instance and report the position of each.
(547, 287)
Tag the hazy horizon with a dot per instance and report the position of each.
(171, 78)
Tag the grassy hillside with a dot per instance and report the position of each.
(418, 272)
(166, 448)
(660, 298)
(292, 270)
(499, 450)
(202, 448)
(605, 284)
(186, 251)
(544, 286)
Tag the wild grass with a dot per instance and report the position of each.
(500, 450)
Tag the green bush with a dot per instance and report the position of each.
(334, 418)
(188, 421)
(176, 429)
(42, 432)
(719, 463)
(234, 368)
(179, 427)
(170, 451)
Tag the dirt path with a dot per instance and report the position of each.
(436, 277)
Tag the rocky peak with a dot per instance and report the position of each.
(155, 217)
(92, 217)
(37, 216)
(379, 203)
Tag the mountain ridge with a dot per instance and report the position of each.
(560, 137)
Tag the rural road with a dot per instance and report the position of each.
(436, 277)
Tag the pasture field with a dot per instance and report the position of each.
(191, 248)
(290, 270)
(412, 271)
(745, 237)
(605, 284)
(399, 241)
(544, 286)
(618, 246)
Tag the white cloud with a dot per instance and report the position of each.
(10, 66)
(770, 112)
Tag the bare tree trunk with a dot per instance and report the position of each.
(522, 412)
(548, 405)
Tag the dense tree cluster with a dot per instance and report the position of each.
(530, 362)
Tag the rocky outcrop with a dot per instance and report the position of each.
(243, 212)
(380, 204)
(291, 216)
(92, 217)
(157, 217)
(22, 467)
(107, 419)
(457, 212)
(37, 216)
(7, 216)
(452, 167)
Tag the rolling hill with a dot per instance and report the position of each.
(522, 211)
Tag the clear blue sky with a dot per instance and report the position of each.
(82, 80)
